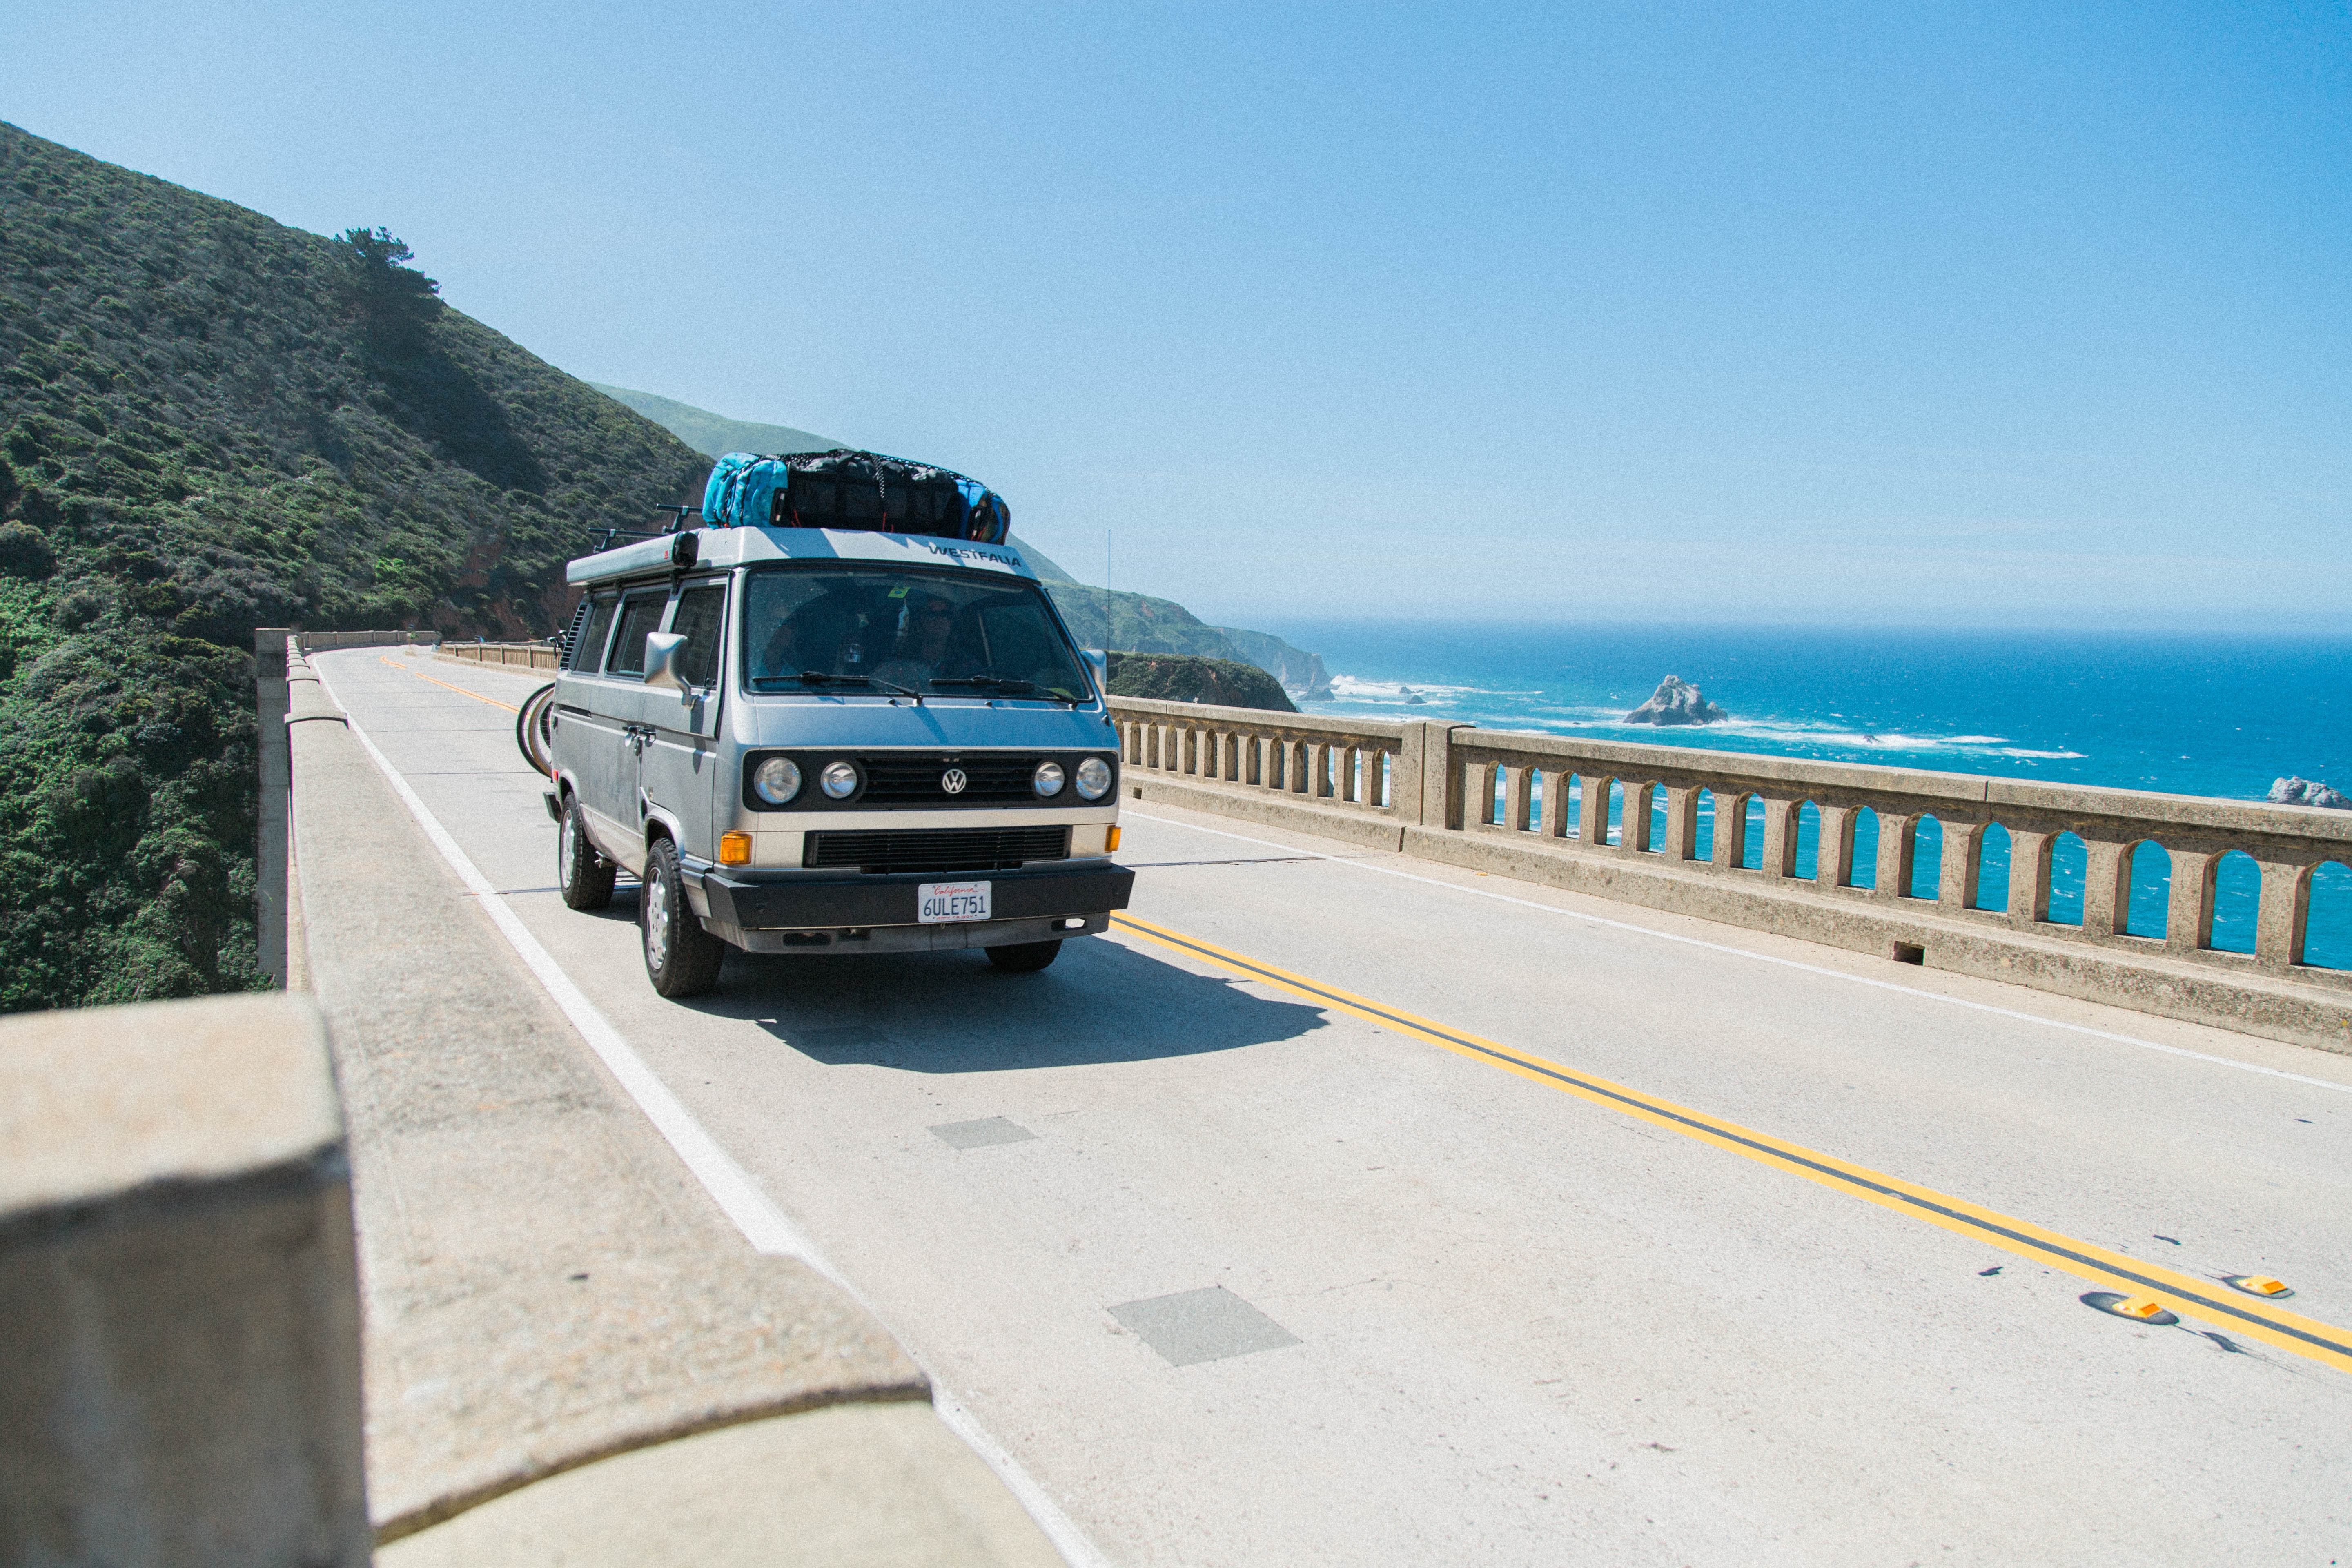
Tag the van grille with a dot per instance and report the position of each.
(938, 849)
(902, 778)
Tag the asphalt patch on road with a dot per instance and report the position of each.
(982, 1134)
(1194, 1326)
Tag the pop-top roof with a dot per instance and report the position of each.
(726, 547)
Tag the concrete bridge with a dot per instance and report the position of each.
(1429, 1169)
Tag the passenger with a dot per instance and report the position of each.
(811, 637)
(925, 647)
(781, 656)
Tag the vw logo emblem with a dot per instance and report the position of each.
(952, 781)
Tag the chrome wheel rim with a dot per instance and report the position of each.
(657, 918)
(564, 847)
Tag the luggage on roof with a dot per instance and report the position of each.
(859, 491)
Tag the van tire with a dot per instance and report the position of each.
(1024, 957)
(681, 958)
(584, 876)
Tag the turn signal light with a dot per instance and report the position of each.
(734, 850)
(1110, 841)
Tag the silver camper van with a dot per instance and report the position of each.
(817, 740)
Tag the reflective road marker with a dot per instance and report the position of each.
(2131, 1276)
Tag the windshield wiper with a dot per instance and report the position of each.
(1007, 685)
(819, 677)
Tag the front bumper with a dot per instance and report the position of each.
(858, 902)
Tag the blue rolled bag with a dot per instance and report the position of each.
(862, 492)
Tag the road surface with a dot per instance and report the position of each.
(1343, 1208)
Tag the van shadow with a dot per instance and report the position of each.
(952, 1012)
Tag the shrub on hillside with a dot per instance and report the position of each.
(24, 552)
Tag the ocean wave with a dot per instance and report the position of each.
(1552, 717)
(1350, 689)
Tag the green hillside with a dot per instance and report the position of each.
(713, 434)
(1098, 617)
(1178, 677)
(211, 422)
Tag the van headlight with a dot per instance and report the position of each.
(839, 780)
(1094, 778)
(777, 780)
(1048, 779)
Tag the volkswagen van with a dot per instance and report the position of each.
(819, 741)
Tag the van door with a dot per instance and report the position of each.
(615, 732)
(678, 760)
(586, 732)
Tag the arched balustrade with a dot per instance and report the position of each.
(1733, 818)
(2225, 882)
(2070, 862)
(1806, 863)
(2325, 894)
(2237, 902)
(1862, 850)
(1650, 810)
(1994, 845)
(2147, 891)
(1751, 833)
(1926, 878)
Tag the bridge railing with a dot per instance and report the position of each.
(515, 654)
(1769, 799)
(1741, 818)
(320, 642)
(1361, 766)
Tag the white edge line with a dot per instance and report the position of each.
(1758, 957)
(764, 1225)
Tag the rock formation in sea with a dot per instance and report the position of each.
(1675, 702)
(2292, 790)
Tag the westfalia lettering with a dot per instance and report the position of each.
(965, 552)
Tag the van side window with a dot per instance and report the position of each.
(701, 612)
(589, 652)
(640, 618)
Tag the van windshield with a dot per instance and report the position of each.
(890, 629)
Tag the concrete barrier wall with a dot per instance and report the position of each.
(178, 1302)
(515, 654)
(1501, 802)
(318, 642)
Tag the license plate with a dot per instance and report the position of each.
(938, 903)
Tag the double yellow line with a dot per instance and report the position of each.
(460, 690)
(2183, 1293)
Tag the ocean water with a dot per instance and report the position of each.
(2203, 715)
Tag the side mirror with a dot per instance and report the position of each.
(662, 652)
(1098, 663)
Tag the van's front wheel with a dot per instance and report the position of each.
(1024, 957)
(681, 958)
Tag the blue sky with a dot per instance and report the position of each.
(1936, 315)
